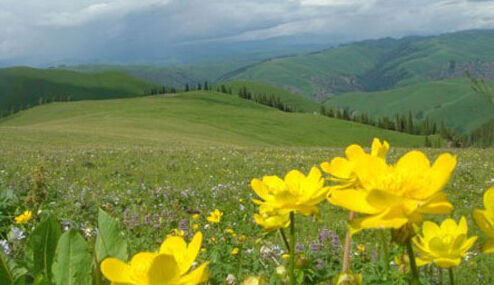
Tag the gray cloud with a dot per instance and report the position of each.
(41, 31)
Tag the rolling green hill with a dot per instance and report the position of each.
(297, 102)
(379, 64)
(452, 101)
(21, 87)
(187, 119)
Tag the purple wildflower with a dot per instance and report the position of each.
(18, 233)
(5, 246)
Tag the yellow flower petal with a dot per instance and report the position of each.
(390, 218)
(489, 200)
(339, 167)
(488, 246)
(441, 171)
(197, 276)
(163, 270)
(422, 262)
(447, 262)
(378, 149)
(438, 204)
(484, 221)
(260, 188)
(353, 200)
(116, 270)
(354, 151)
(430, 229)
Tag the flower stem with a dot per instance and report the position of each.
(413, 265)
(285, 240)
(452, 280)
(385, 250)
(292, 248)
(346, 253)
(440, 275)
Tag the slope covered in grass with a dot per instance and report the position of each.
(193, 118)
(295, 101)
(452, 101)
(379, 64)
(21, 87)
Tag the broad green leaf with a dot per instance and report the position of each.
(109, 241)
(10, 274)
(73, 262)
(41, 246)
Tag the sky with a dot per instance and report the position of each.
(37, 32)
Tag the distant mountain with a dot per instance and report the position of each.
(382, 64)
(23, 87)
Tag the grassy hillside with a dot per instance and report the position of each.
(311, 74)
(452, 100)
(194, 118)
(379, 64)
(22, 86)
(296, 101)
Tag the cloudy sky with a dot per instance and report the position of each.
(40, 32)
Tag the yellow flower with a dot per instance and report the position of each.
(444, 245)
(242, 238)
(485, 220)
(168, 266)
(342, 169)
(24, 217)
(177, 232)
(272, 220)
(195, 227)
(394, 195)
(361, 248)
(254, 280)
(348, 278)
(403, 263)
(196, 217)
(215, 216)
(235, 251)
(285, 256)
(297, 192)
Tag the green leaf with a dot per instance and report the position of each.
(109, 241)
(41, 280)
(10, 274)
(41, 246)
(73, 262)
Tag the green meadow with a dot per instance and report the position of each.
(200, 118)
(151, 162)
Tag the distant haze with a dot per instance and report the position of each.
(167, 32)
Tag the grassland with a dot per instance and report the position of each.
(452, 101)
(193, 118)
(150, 162)
(21, 87)
(152, 190)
